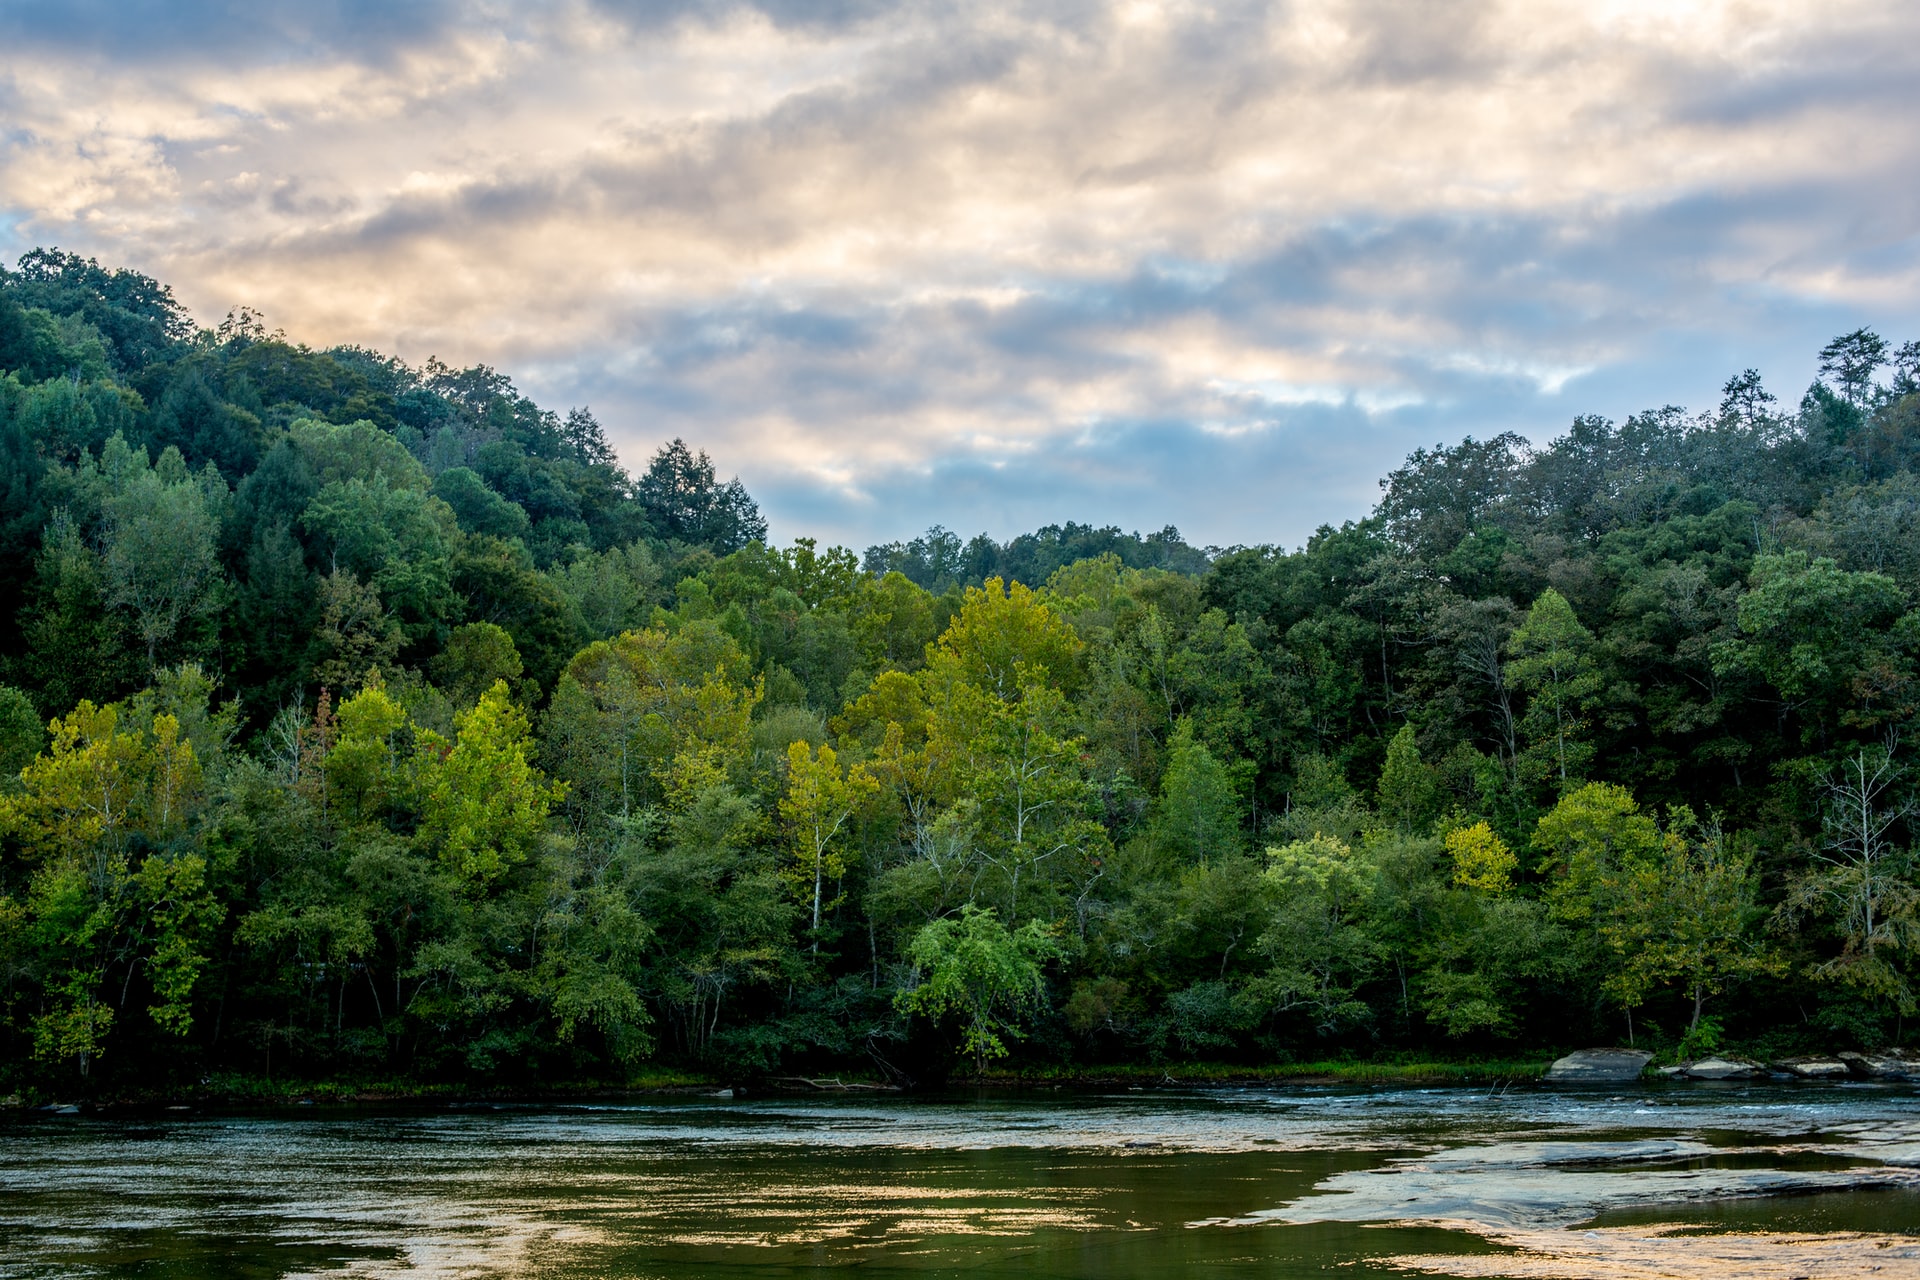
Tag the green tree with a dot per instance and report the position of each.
(485, 803)
(355, 635)
(1004, 639)
(1021, 791)
(21, 733)
(1408, 789)
(975, 968)
(108, 818)
(1553, 665)
(478, 655)
(1320, 948)
(77, 647)
(1851, 360)
(161, 551)
(1586, 840)
(1863, 879)
(1199, 814)
(1823, 638)
(1686, 914)
(396, 539)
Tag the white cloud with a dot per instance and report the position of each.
(930, 239)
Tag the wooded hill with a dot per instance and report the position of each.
(371, 721)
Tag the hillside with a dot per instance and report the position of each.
(370, 721)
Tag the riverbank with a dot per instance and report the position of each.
(237, 1090)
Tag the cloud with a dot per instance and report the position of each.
(996, 265)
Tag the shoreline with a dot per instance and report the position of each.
(230, 1091)
(237, 1092)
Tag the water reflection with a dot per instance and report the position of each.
(1234, 1183)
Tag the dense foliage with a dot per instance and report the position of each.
(372, 721)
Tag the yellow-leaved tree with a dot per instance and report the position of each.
(109, 775)
(1481, 859)
(821, 799)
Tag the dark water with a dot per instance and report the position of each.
(1159, 1184)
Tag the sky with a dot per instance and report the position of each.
(996, 265)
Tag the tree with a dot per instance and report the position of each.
(1552, 665)
(355, 635)
(1320, 949)
(1586, 839)
(1863, 880)
(486, 804)
(686, 503)
(478, 655)
(1687, 913)
(1906, 370)
(137, 315)
(1199, 817)
(478, 508)
(1820, 635)
(1022, 791)
(1407, 787)
(396, 539)
(77, 646)
(1005, 639)
(821, 798)
(107, 817)
(1851, 360)
(161, 554)
(365, 764)
(21, 733)
(1481, 859)
(180, 913)
(973, 966)
(1743, 400)
(892, 618)
(610, 592)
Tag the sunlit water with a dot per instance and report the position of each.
(1774, 1182)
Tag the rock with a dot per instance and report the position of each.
(1813, 1068)
(1723, 1069)
(1599, 1066)
(1893, 1065)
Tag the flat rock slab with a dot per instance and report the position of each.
(1599, 1066)
(1722, 1069)
(1814, 1068)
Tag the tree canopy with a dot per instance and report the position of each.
(367, 720)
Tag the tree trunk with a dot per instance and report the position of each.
(818, 870)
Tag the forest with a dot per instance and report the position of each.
(363, 721)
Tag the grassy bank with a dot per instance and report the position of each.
(239, 1090)
(1344, 1071)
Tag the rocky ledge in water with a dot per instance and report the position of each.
(1890, 1064)
(1599, 1066)
(1715, 1068)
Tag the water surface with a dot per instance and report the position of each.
(1741, 1181)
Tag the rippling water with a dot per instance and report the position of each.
(1764, 1182)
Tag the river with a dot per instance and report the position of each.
(1656, 1181)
